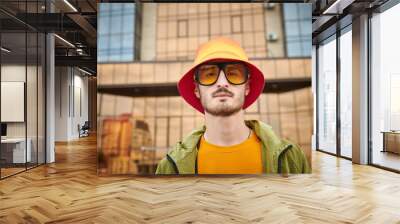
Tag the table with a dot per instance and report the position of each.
(13, 150)
(391, 141)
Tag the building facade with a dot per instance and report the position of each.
(273, 36)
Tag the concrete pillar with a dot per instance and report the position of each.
(62, 103)
(50, 99)
(314, 93)
(360, 90)
(71, 102)
(92, 99)
(274, 25)
(148, 41)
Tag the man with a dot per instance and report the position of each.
(221, 84)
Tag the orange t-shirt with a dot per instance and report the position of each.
(243, 158)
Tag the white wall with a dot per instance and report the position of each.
(62, 81)
(79, 117)
(12, 73)
(13, 100)
(33, 126)
(71, 93)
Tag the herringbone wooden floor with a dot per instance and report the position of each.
(69, 191)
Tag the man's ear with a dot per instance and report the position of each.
(247, 88)
(197, 91)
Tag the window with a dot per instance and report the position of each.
(297, 24)
(22, 76)
(327, 96)
(394, 102)
(385, 89)
(116, 32)
(236, 22)
(346, 93)
(182, 28)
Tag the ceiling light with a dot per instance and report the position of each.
(79, 51)
(70, 5)
(331, 7)
(5, 50)
(65, 41)
(84, 71)
(338, 6)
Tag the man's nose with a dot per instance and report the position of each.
(222, 82)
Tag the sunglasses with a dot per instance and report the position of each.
(235, 72)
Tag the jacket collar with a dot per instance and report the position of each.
(184, 153)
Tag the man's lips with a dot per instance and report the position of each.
(223, 92)
(223, 95)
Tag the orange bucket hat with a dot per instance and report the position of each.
(220, 49)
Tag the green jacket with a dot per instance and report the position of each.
(278, 155)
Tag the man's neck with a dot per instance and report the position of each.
(226, 131)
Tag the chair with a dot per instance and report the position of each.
(84, 130)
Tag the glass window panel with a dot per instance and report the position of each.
(103, 42)
(327, 96)
(236, 23)
(150, 106)
(101, 57)
(174, 130)
(138, 108)
(121, 103)
(31, 99)
(41, 99)
(289, 127)
(161, 130)
(274, 122)
(116, 32)
(305, 11)
(128, 25)
(117, 8)
(346, 94)
(294, 49)
(304, 123)
(128, 8)
(385, 89)
(306, 48)
(162, 106)
(188, 124)
(114, 57)
(116, 24)
(127, 43)
(286, 102)
(182, 28)
(175, 107)
(126, 57)
(290, 11)
(272, 103)
(305, 28)
(292, 28)
(297, 19)
(103, 24)
(13, 78)
(115, 42)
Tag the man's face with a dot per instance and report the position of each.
(222, 98)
